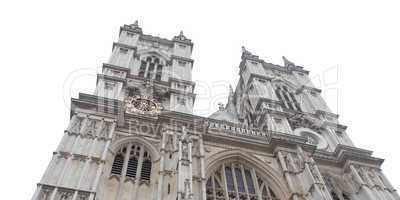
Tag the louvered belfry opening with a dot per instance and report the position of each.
(151, 68)
(137, 156)
(132, 167)
(117, 164)
(146, 170)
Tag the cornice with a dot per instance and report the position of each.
(111, 78)
(190, 94)
(324, 113)
(282, 68)
(344, 154)
(308, 88)
(132, 77)
(337, 126)
(170, 79)
(66, 188)
(96, 103)
(116, 67)
(290, 141)
(160, 40)
(174, 57)
(130, 29)
(124, 46)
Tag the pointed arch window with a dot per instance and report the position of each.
(234, 180)
(138, 166)
(287, 98)
(151, 68)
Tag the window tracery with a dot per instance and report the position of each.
(137, 156)
(151, 68)
(240, 181)
(287, 98)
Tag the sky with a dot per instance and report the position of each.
(52, 50)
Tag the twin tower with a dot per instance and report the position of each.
(136, 137)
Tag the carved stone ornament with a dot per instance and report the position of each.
(142, 105)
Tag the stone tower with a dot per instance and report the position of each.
(137, 138)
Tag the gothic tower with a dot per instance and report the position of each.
(137, 138)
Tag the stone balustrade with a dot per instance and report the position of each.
(234, 129)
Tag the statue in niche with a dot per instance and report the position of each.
(371, 176)
(185, 152)
(45, 194)
(314, 173)
(104, 130)
(83, 197)
(170, 143)
(185, 140)
(188, 192)
(76, 125)
(91, 127)
(148, 89)
(65, 196)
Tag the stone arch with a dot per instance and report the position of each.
(272, 176)
(113, 185)
(135, 139)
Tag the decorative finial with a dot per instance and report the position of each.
(181, 37)
(287, 63)
(135, 27)
(244, 50)
(221, 106)
(230, 89)
(135, 24)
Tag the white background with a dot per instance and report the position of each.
(51, 50)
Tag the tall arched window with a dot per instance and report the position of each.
(150, 68)
(287, 98)
(137, 156)
(240, 181)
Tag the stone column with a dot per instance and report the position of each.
(202, 170)
(224, 181)
(185, 184)
(161, 174)
(138, 170)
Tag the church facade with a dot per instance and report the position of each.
(136, 137)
